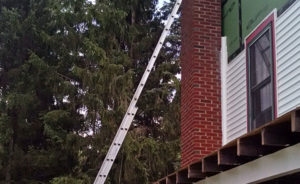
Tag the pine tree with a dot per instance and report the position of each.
(67, 73)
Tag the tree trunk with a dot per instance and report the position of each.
(133, 17)
(11, 146)
(10, 160)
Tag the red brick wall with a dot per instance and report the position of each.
(201, 131)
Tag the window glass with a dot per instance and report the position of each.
(260, 57)
(266, 97)
(261, 88)
(262, 105)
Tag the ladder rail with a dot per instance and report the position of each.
(132, 109)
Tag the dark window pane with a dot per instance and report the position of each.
(266, 97)
(261, 100)
(260, 58)
(264, 40)
(263, 118)
(260, 54)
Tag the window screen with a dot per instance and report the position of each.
(260, 82)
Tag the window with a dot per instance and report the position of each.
(260, 69)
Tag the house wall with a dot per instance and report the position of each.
(236, 97)
(288, 59)
(287, 43)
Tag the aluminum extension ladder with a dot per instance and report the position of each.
(129, 116)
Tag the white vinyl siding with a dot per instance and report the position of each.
(236, 98)
(288, 59)
(287, 44)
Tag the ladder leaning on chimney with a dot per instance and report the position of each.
(128, 117)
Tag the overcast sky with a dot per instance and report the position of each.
(160, 2)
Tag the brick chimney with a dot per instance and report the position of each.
(201, 128)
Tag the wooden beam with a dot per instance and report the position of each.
(251, 146)
(228, 157)
(195, 171)
(163, 181)
(182, 177)
(295, 120)
(171, 179)
(277, 135)
(210, 164)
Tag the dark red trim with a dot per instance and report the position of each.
(253, 35)
(262, 26)
(247, 86)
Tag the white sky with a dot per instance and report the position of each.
(161, 2)
(159, 5)
(93, 1)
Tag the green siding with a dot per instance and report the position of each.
(254, 11)
(231, 25)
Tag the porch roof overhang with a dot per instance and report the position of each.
(272, 148)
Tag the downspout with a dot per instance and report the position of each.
(224, 62)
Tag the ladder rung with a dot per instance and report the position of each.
(132, 109)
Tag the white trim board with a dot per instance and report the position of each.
(224, 63)
(283, 162)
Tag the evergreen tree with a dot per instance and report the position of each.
(68, 70)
